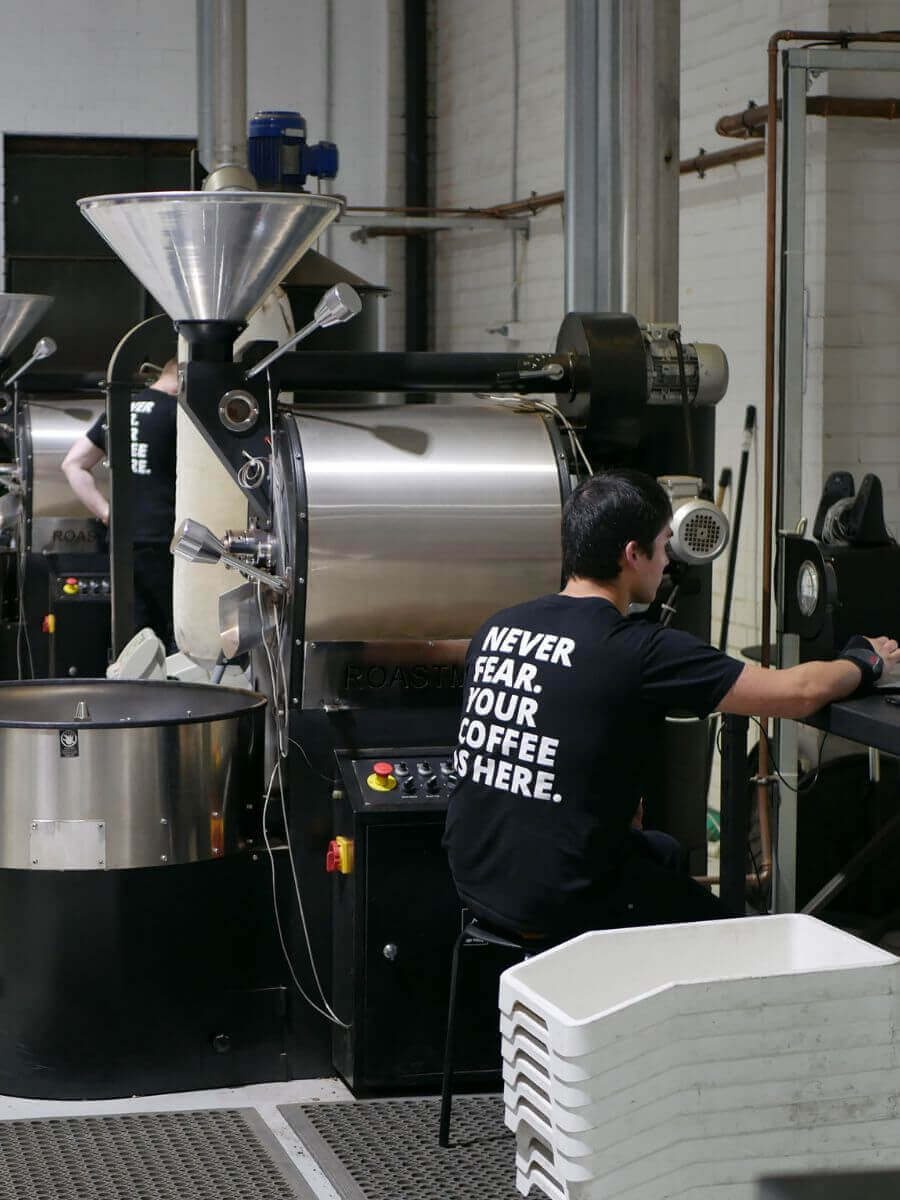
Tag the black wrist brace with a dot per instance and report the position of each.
(861, 653)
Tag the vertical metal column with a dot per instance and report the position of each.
(592, 174)
(791, 387)
(734, 813)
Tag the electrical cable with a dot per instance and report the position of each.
(802, 787)
(329, 1015)
(528, 404)
(279, 685)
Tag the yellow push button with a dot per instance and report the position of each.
(382, 778)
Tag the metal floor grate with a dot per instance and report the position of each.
(223, 1154)
(388, 1149)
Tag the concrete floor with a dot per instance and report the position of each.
(264, 1097)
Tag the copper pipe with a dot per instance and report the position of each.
(413, 211)
(765, 837)
(703, 162)
(532, 204)
(757, 880)
(750, 122)
(783, 35)
(700, 163)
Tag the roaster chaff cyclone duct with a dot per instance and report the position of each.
(378, 540)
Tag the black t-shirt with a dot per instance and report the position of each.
(152, 463)
(562, 706)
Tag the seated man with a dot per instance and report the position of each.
(561, 706)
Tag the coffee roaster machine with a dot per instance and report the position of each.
(54, 560)
(378, 539)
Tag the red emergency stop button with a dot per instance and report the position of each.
(382, 778)
(340, 855)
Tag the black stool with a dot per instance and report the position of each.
(473, 932)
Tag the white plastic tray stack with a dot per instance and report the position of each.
(689, 1060)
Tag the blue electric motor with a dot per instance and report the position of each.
(279, 156)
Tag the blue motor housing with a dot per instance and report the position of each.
(279, 156)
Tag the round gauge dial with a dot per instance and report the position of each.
(807, 588)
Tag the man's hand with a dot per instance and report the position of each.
(886, 648)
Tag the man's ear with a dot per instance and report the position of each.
(630, 554)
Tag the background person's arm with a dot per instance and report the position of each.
(77, 467)
(796, 692)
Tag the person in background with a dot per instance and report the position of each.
(563, 701)
(152, 442)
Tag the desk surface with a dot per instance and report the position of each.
(869, 721)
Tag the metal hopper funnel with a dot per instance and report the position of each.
(210, 256)
(19, 313)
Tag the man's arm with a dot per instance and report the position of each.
(796, 692)
(77, 467)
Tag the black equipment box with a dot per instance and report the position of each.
(396, 917)
(79, 624)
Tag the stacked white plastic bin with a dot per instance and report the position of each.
(689, 1060)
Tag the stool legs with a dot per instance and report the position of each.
(447, 1083)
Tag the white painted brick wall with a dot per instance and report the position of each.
(853, 243)
(473, 166)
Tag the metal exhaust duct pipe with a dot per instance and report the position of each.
(650, 49)
(622, 157)
(222, 93)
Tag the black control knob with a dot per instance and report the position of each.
(452, 780)
(401, 768)
(424, 768)
(445, 767)
(408, 787)
(432, 784)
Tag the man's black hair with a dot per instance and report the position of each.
(604, 514)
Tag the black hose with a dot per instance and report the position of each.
(749, 426)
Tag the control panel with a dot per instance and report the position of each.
(80, 587)
(418, 779)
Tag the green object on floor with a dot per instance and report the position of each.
(713, 825)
